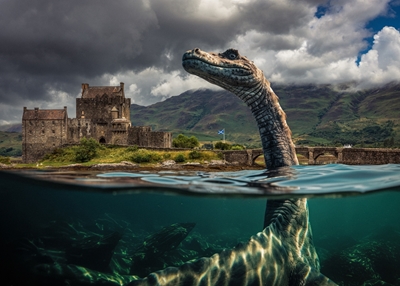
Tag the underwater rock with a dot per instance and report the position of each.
(149, 256)
(376, 282)
(367, 262)
(93, 252)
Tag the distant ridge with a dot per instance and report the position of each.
(17, 127)
(316, 114)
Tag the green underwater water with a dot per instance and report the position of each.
(357, 236)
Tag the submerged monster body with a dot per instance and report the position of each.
(283, 253)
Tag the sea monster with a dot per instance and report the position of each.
(283, 253)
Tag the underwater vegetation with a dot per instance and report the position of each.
(111, 252)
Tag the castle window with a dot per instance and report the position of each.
(53, 131)
(53, 122)
(42, 123)
(43, 131)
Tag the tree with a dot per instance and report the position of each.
(182, 141)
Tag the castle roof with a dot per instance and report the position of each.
(44, 114)
(93, 91)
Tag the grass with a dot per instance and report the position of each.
(116, 154)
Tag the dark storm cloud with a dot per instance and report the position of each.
(48, 46)
(46, 43)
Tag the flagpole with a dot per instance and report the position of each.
(224, 135)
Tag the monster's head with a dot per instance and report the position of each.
(228, 70)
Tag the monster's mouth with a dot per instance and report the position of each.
(189, 59)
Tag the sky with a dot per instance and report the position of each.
(49, 48)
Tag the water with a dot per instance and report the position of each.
(48, 217)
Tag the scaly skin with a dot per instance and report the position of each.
(283, 253)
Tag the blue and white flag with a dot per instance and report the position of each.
(222, 131)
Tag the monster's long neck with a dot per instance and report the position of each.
(279, 150)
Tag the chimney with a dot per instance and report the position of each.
(121, 84)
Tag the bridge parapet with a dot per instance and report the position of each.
(349, 156)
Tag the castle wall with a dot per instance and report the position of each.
(160, 139)
(139, 135)
(40, 136)
(99, 108)
(79, 128)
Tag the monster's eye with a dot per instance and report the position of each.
(231, 54)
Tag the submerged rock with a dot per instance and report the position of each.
(150, 255)
(373, 261)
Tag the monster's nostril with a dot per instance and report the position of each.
(197, 50)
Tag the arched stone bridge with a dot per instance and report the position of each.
(350, 156)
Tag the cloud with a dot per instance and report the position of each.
(382, 62)
(50, 47)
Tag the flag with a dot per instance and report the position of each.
(222, 131)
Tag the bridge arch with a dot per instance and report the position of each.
(254, 155)
(318, 152)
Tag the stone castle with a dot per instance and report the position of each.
(102, 113)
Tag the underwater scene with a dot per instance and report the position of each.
(110, 228)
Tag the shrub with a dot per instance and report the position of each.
(182, 141)
(5, 160)
(145, 156)
(195, 155)
(222, 146)
(140, 158)
(180, 158)
(86, 150)
(237, 147)
(55, 154)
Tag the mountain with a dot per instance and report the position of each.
(316, 114)
(17, 127)
(201, 113)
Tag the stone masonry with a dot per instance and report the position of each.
(102, 113)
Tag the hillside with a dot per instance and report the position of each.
(317, 115)
(201, 113)
(10, 144)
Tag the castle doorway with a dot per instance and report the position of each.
(102, 140)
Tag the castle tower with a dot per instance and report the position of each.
(103, 105)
